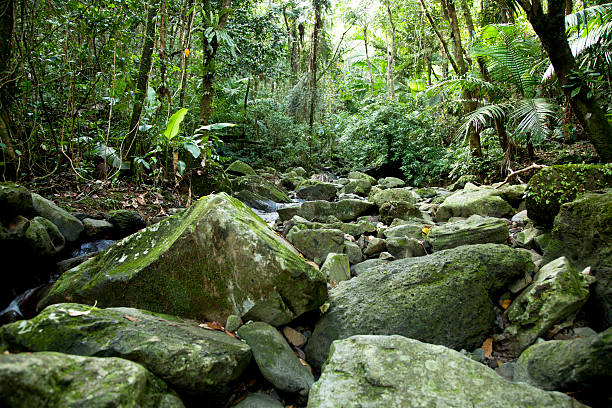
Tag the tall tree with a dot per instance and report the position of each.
(6, 77)
(213, 23)
(142, 80)
(390, 51)
(312, 64)
(549, 25)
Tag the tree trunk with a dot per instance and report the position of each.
(468, 19)
(6, 78)
(314, 49)
(131, 143)
(441, 39)
(186, 45)
(365, 42)
(390, 52)
(550, 28)
(208, 61)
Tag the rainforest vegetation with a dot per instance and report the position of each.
(420, 89)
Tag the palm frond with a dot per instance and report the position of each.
(482, 117)
(533, 116)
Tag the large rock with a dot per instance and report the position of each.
(240, 168)
(463, 180)
(474, 230)
(254, 200)
(556, 295)
(316, 244)
(582, 364)
(411, 229)
(336, 267)
(443, 298)
(316, 190)
(390, 182)
(583, 233)
(126, 222)
(210, 179)
(215, 259)
(360, 187)
(357, 175)
(262, 187)
(275, 359)
(192, 360)
(44, 238)
(343, 210)
(352, 228)
(379, 197)
(481, 201)
(68, 224)
(553, 186)
(393, 371)
(14, 200)
(58, 380)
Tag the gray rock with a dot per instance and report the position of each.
(380, 197)
(97, 228)
(482, 201)
(14, 200)
(404, 247)
(353, 251)
(361, 267)
(520, 217)
(360, 187)
(513, 193)
(59, 380)
(126, 222)
(526, 237)
(258, 400)
(402, 210)
(191, 359)
(336, 267)
(474, 230)
(357, 175)
(359, 227)
(390, 182)
(344, 210)
(394, 371)
(232, 323)
(419, 298)
(316, 190)
(240, 168)
(410, 229)
(316, 244)
(215, 259)
(69, 226)
(254, 200)
(375, 246)
(44, 238)
(556, 295)
(275, 359)
(463, 180)
(570, 365)
(386, 256)
(262, 187)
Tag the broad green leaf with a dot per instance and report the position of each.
(174, 124)
(192, 148)
(180, 167)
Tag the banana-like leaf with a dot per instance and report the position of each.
(174, 124)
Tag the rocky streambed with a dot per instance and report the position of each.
(350, 292)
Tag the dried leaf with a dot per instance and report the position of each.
(304, 363)
(506, 303)
(6, 352)
(75, 313)
(314, 264)
(212, 326)
(324, 307)
(487, 346)
(131, 319)
(230, 334)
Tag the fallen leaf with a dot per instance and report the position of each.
(5, 352)
(230, 334)
(323, 308)
(303, 362)
(131, 319)
(212, 326)
(314, 264)
(487, 346)
(506, 303)
(75, 313)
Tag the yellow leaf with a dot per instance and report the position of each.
(487, 346)
(425, 230)
(506, 303)
(186, 52)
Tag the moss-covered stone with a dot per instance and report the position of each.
(210, 179)
(240, 168)
(343, 210)
(258, 400)
(357, 175)
(316, 190)
(68, 225)
(443, 298)
(58, 380)
(254, 200)
(482, 201)
(404, 247)
(581, 365)
(44, 238)
(192, 360)
(394, 371)
(390, 182)
(380, 197)
(126, 222)
(275, 359)
(513, 193)
(215, 259)
(352, 228)
(316, 244)
(360, 187)
(336, 267)
(403, 210)
(353, 252)
(463, 180)
(553, 186)
(582, 232)
(14, 200)
(411, 229)
(474, 230)
(556, 295)
(262, 187)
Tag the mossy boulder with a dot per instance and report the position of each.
(343, 210)
(581, 364)
(56, 380)
(480, 201)
(394, 371)
(259, 400)
(445, 298)
(254, 200)
(215, 259)
(513, 193)
(403, 210)
(191, 359)
(210, 179)
(353, 228)
(240, 168)
(553, 186)
(262, 187)
(14, 200)
(582, 232)
(555, 296)
(276, 360)
(474, 230)
(126, 222)
(316, 190)
(316, 244)
(357, 175)
(404, 247)
(463, 180)
(410, 229)
(360, 187)
(390, 182)
(69, 226)
(379, 197)
(336, 267)
(44, 238)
